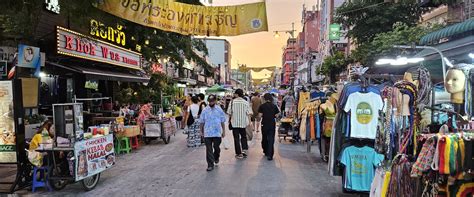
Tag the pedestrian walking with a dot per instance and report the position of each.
(256, 102)
(213, 128)
(192, 121)
(268, 111)
(202, 105)
(239, 113)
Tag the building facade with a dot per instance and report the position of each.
(220, 56)
(289, 62)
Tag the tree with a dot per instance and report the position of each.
(382, 43)
(19, 20)
(334, 65)
(366, 18)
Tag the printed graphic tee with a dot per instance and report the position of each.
(360, 165)
(364, 108)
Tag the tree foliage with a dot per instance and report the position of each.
(20, 19)
(334, 65)
(382, 43)
(366, 18)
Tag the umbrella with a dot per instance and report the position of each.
(274, 91)
(215, 88)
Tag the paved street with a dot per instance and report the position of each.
(175, 170)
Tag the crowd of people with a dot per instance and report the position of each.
(205, 122)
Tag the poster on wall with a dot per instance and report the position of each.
(7, 124)
(28, 56)
(30, 89)
(93, 156)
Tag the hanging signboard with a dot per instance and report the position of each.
(3, 69)
(187, 19)
(112, 34)
(7, 124)
(334, 31)
(28, 56)
(93, 156)
(7, 54)
(74, 44)
(53, 6)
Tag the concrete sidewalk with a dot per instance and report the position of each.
(175, 170)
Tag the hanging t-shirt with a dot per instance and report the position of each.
(360, 163)
(364, 108)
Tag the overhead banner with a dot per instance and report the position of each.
(190, 19)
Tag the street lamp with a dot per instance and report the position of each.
(292, 36)
(443, 59)
(399, 61)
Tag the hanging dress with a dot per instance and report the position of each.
(328, 121)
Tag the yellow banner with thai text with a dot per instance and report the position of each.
(188, 19)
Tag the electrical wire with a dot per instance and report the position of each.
(362, 8)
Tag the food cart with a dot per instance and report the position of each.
(87, 152)
(159, 129)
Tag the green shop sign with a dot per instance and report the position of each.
(334, 31)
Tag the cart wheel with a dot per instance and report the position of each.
(57, 184)
(89, 183)
(167, 140)
(147, 141)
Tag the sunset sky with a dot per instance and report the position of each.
(263, 49)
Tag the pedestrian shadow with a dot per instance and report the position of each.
(269, 180)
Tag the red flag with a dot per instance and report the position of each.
(11, 73)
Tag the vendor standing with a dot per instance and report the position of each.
(144, 114)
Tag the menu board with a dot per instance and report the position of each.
(93, 156)
(7, 124)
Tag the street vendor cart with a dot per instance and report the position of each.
(286, 128)
(85, 153)
(159, 129)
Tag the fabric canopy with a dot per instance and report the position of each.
(458, 28)
(215, 88)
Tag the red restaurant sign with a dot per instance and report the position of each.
(77, 45)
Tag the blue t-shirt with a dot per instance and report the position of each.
(212, 117)
(360, 165)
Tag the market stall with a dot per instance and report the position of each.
(402, 142)
(159, 129)
(88, 152)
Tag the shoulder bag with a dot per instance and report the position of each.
(230, 115)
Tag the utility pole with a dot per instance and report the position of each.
(293, 61)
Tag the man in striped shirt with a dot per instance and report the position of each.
(239, 113)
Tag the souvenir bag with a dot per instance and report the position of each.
(249, 130)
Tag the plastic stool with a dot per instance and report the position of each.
(124, 145)
(134, 142)
(43, 181)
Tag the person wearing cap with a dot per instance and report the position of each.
(239, 113)
(213, 129)
(268, 111)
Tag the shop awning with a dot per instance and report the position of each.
(458, 28)
(104, 74)
(451, 49)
